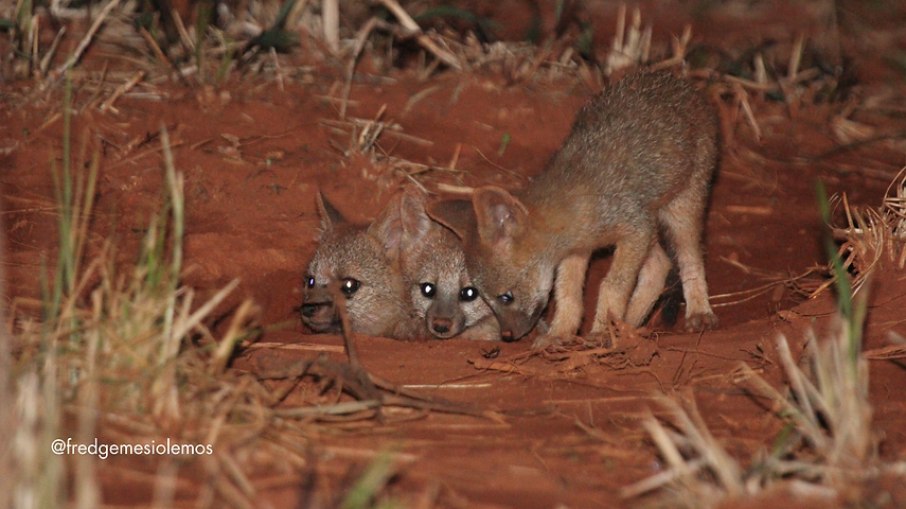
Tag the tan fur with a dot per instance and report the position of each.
(649, 286)
(432, 259)
(640, 156)
(369, 256)
(569, 283)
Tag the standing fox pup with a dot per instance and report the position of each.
(364, 262)
(434, 271)
(639, 156)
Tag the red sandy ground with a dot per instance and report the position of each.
(254, 154)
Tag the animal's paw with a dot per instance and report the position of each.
(599, 340)
(545, 340)
(610, 334)
(542, 327)
(697, 322)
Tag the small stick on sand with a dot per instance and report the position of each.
(455, 160)
(45, 62)
(370, 384)
(83, 44)
(426, 42)
(181, 30)
(122, 89)
(452, 189)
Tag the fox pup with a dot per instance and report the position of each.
(365, 262)
(403, 276)
(434, 270)
(639, 156)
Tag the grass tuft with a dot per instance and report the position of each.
(366, 492)
(828, 444)
(111, 344)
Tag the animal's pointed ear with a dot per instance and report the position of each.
(457, 215)
(416, 225)
(499, 215)
(330, 216)
(388, 227)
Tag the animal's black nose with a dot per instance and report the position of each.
(506, 335)
(309, 310)
(441, 325)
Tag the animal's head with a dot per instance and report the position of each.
(434, 268)
(359, 263)
(504, 259)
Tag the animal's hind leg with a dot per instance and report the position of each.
(649, 285)
(683, 218)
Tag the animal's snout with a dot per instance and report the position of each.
(514, 324)
(311, 309)
(320, 315)
(441, 325)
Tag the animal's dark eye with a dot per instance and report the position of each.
(468, 294)
(349, 286)
(506, 298)
(310, 281)
(428, 290)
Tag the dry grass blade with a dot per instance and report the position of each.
(7, 463)
(127, 353)
(189, 322)
(828, 445)
(887, 352)
(800, 283)
(344, 408)
(48, 57)
(86, 40)
(872, 238)
(331, 19)
(894, 212)
(120, 90)
(698, 466)
(234, 335)
(628, 49)
(423, 39)
(360, 40)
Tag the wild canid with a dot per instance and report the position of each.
(401, 276)
(640, 157)
(434, 270)
(362, 261)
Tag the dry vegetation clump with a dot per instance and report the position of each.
(828, 448)
(209, 43)
(124, 355)
(874, 238)
(128, 355)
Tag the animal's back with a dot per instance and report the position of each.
(643, 139)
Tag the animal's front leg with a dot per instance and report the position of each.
(568, 297)
(617, 286)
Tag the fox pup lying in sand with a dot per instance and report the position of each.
(434, 271)
(402, 276)
(640, 157)
(363, 262)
